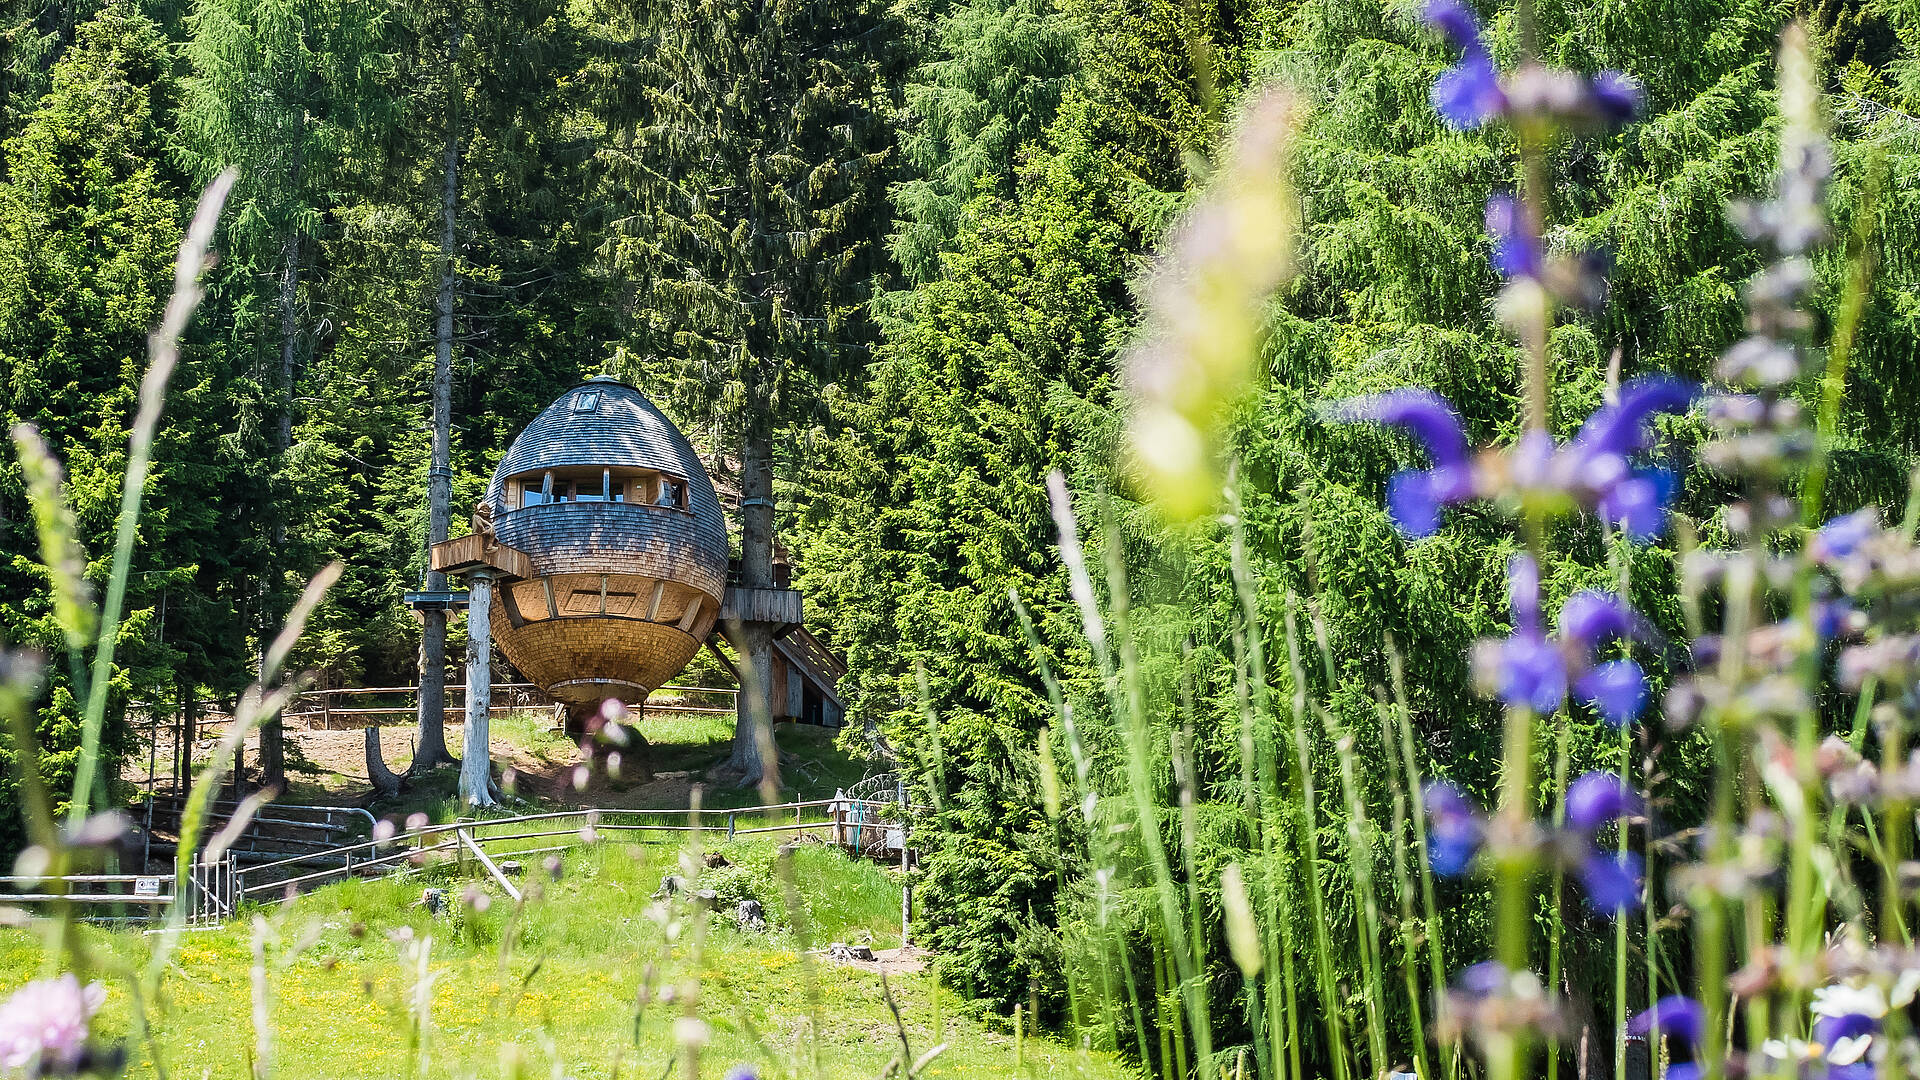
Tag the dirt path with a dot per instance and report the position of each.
(906, 960)
(536, 762)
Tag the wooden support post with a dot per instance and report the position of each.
(476, 783)
(906, 880)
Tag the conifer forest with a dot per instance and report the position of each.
(1368, 539)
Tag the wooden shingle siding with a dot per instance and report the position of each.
(616, 538)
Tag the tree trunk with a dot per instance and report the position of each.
(384, 782)
(273, 771)
(432, 749)
(183, 770)
(753, 716)
(476, 765)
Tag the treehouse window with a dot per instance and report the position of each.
(672, 493)
(536, 492)
(602, 488)
(586, 401)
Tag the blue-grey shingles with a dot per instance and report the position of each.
(623, 429)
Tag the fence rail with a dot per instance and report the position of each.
(212, 890)
(176, 732)
(319, 703)
(215, 892)
(866, 825)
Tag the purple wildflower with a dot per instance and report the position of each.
(743, 1072)
(1828, 1030)
(1591, 618)
(1468, 94)
(1531, 672)
(1617, 690)
(1484, 979)
(1616, 96)
(1681, 1017)
(1612, 883)
(1598, 798)
(1528, 670)
(1457, 21)
(1453, 831)
(1599, 454)
(1831, 618)
(44, 1025)
(1517, 251)
(1841, 537)
(1416, 497)
(1415, 501)
(1619, 429)
(1638, 504)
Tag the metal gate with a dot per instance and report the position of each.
(212, 895)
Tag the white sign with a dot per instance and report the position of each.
(146, 886)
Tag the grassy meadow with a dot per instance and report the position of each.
(590, 978)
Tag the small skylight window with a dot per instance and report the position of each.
(586, 401)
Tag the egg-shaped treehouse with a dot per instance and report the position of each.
(625, 548)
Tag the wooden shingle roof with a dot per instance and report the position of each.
(606, 423)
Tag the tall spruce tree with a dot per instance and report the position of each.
(33, 36)
(984, 97)
(527, 311)
(431, 749)
(755, 144)
(281, 89)
(89, 221)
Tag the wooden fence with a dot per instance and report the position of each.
(337, 707)
(172, 730)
